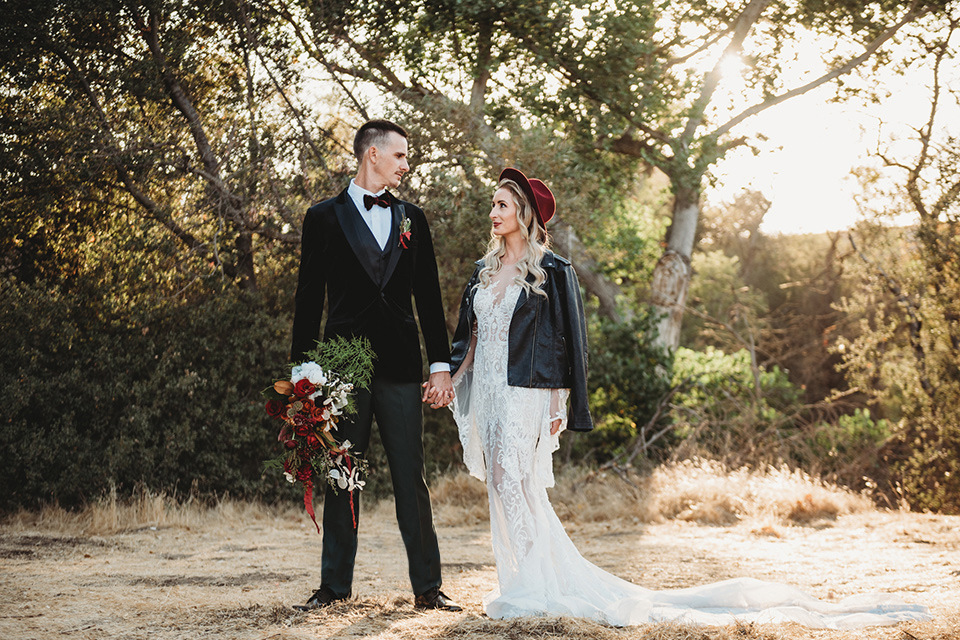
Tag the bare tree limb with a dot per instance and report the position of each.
(153, 209)
(183, 104)
(741, 28)
(911, 14)
(605, 291)
(709, 42)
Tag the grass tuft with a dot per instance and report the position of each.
(701, 491)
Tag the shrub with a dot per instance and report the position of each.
(627, 379)
(164, 398)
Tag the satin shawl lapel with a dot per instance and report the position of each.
(393, 243)
(353, 226)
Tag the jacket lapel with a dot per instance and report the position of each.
(353, 226)
(522, 298)
(547, 263)
(397, 213)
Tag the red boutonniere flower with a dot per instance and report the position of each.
(405, 233)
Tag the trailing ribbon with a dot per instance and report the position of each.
(308, 503)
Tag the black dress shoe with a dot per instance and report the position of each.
(435, 599)
(322, 597)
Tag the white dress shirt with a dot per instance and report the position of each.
(378, 220)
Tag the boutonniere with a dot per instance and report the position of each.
(405, 233)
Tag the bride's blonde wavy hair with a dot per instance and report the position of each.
(537, 244)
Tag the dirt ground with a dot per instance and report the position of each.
(235, 575)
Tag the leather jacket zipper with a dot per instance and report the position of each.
(533, 348)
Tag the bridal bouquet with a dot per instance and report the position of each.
(309, 404)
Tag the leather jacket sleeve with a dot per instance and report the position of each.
(575, 329)
(461, 337)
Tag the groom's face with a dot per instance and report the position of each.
(390, 160)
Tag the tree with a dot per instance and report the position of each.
(906, 352)
(636, 81)
(451, 72)
(630, 82)
(165, 113)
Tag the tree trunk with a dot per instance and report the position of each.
(588, 272)
(246, 273)
(671, 276)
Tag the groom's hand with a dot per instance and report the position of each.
(438, 390)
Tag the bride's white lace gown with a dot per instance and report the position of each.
(505, 432)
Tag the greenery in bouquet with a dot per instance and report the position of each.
(318, 393)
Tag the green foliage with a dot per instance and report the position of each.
(903, 349)
(731, 409)
(350, 358)
(627, 382)
(715, 376)
(850, 436)
(168, 398)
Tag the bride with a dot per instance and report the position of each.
(519, 355)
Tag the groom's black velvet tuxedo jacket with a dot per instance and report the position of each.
(369, 289)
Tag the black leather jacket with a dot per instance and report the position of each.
(547, 343)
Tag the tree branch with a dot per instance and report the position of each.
(741, 28)
(153, 209)
(588, 270)
(183, 104)
(911, 15)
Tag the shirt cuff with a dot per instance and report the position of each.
(436, 367)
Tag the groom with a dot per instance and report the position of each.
(370, 253)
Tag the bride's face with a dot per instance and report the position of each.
(503, 214)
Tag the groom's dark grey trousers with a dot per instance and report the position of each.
(399, 414)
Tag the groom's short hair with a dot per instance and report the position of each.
(374, 134)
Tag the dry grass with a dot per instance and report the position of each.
(160, 569)
(111, 515)
(699, 491)
(704, 491)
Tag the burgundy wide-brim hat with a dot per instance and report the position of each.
(539, 195)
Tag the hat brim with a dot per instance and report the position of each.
(517, 176)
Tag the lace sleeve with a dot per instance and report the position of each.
(467, 364)
(465, 415)
(548, 442)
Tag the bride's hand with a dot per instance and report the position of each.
(555, 426)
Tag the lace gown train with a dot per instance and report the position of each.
(505, 432)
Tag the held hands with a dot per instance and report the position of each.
(438, 390)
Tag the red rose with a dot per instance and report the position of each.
(274, 408)
(290, 444)
(314, 442)
(302, 429)
(303, 388)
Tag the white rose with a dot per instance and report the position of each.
(309, 370)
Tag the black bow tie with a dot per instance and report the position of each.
(383, 200)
